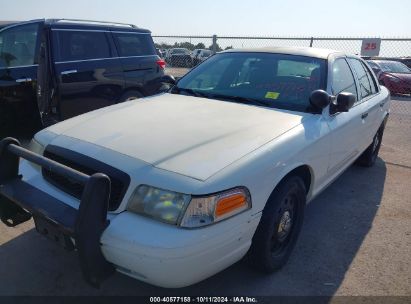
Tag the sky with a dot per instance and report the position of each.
(323, 18)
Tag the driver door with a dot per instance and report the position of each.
(347, 128)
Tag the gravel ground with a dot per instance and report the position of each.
(356, 240)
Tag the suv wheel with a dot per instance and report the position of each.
(130, 95)
(279, 226)
(7, 120)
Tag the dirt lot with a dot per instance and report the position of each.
(356, 240)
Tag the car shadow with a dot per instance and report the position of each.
(336, 224)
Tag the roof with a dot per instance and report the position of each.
(92, 24)
(84, 24)
(299, 51)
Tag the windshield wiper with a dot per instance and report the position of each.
(240, 99)
(177, 90)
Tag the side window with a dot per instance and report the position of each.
(18, 45)
(373, 82)
(81, 45)
(364, 81)
(343, 79)
(134, 44)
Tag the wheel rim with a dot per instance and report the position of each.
(376, 142)
(283, 231)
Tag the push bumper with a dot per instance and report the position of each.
(19, 201)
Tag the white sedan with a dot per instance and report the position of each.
(174, 188)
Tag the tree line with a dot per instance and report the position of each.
(190, 46)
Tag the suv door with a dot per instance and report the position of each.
(369, 89)
(347, 128)
(18, 72)
(89, 73)
(139, 60)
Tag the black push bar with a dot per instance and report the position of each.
(19, 201)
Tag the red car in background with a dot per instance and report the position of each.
(394, 75)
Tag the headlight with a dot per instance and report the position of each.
(160, 204)
(36, 147)
(395, 79)
(188, 211)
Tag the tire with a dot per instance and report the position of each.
(369, 156)
(130, 95)
(7, 121)
(279, 227)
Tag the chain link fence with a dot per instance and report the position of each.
(189, 54)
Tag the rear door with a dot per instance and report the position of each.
(18, 73)
(139, 60)
(88, 70)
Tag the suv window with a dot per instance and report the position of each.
(81, 45)
(343, 79)
(134, 44)
(363, 78)
(18, 45)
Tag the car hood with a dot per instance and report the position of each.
(192, 136)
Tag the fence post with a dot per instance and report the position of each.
(214, 44)
(311, 41)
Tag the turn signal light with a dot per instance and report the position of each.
(230, 203)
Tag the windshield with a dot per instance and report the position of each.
(394, 67)
(180, 51)
(272, 80)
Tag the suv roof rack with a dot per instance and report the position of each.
(95, 22)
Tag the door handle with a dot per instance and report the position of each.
(68, 72)
(21, 80)
(364, 116)
(382, 104)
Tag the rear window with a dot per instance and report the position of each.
(81, 45)
(180, 51)
(134, 44)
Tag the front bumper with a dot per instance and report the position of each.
(154, 252)
(172, 257)
(19, 201)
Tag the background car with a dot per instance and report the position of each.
(394, 75)
(55, 69)
(179, 57)
(201, 56)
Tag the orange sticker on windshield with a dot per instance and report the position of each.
(272, 95)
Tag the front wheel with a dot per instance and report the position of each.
(279, 226)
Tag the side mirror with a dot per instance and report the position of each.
(320, 99)
(343, 103)
(168, 79)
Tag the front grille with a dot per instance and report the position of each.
(119, 180)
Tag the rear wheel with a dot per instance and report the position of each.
(369, 156)
(7, 121)
(130, 95)
(279, 226)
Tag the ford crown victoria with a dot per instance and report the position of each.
(176, 187)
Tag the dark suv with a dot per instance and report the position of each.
(51, 70)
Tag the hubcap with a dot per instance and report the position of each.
(282, 233)
(376, 142)
(285, 226)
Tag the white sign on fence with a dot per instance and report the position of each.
(370, 47)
